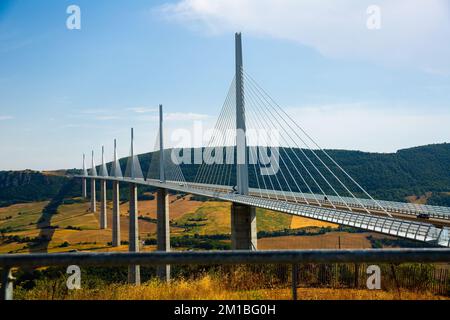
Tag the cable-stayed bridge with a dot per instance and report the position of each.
(258, 157)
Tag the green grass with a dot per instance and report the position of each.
(267, 220)
(210, 218)
(23, 216)
(75, 215)
(214, 218)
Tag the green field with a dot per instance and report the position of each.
(194, 225)
(21, 216)
(74, 227)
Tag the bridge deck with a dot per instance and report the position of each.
(393, 207)
(414, 230)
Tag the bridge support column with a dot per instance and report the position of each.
(93, 197)
(116, 215)
(163, 231)
(134, 272)
(243, 227)
(103, 216)
(83, 188)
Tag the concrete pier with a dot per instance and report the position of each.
(83, 181)
(103, 213)
(84, 188)
(134, 272)
(116, 215)
(163, 230)
(93, 197)
(243, 227)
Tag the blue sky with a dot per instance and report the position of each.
(64, 92)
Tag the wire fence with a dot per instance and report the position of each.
(431, 278)
(419, 270)
(416, 277)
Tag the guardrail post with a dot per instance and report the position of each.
(294, 281)
(7, 284)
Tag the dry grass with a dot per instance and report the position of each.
(268, 220)
(23, 216)
(13, 247)
(54, 173)
(76, 214)
(215, 219)
(205, 218)
(325, 241)
(419, 199)
(178, 206)
(300, 222)
(208, 287)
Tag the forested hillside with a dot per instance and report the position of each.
(27, 186)
(390, 176)
(394, 176)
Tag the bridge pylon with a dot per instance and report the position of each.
(116, 172)
(241, 135)
(134, 271)
(243, 217)
(103, 211)
(162, 206)
(93, 194)
(83, 180)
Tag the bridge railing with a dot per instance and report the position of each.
(436, 212)
(294, 257)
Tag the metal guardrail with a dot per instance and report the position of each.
(294, 257)
(412, 209)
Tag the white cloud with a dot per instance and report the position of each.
(2, 118)
(414, 33)
(142, 110)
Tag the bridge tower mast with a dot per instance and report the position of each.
(116, 200)
(162, 176)
(243, 217)
(103, 173)
(241, 139)
(83, 180)
(93, 194)
(134, 271)
(162, 207)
